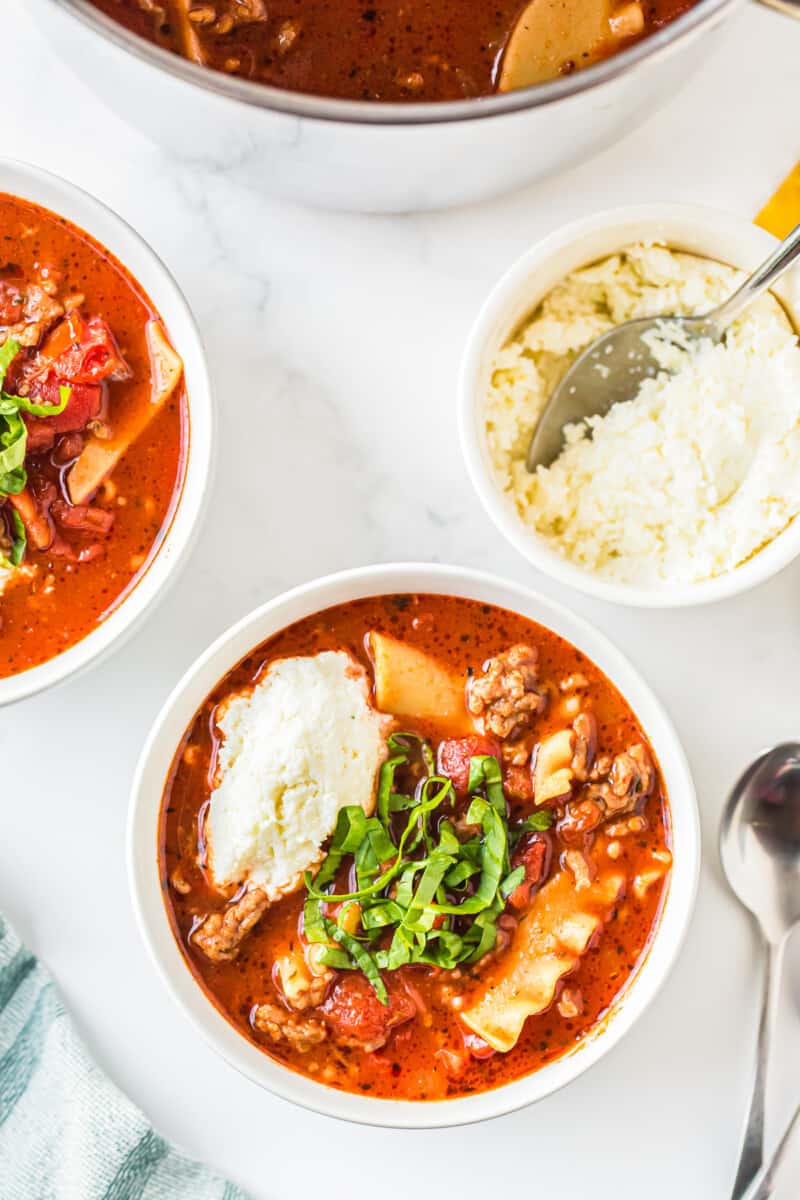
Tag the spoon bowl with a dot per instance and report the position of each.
(549, 33)
(608, 371)
(760, 840)
(760, 852)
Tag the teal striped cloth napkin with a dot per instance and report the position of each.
(66, 1132)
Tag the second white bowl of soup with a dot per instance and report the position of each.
(689, 492)
(380, 830)
(107, 430)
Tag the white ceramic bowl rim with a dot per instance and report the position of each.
(114, 234)
(704, 231)
(178, 713)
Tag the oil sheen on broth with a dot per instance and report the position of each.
(365, 49)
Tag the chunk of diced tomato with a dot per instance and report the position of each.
(454, 757)
(356, 1015)
(82, 518)
(518, 783)
(85, 404)
(532, 854)
(12, 302)
(82, 351)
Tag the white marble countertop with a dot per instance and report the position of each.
(334, 342)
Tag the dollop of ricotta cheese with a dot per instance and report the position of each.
(295, 749)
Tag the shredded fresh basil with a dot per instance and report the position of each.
(484, 772)
(14, 443)
(361, 957)
(512, 882)
(405, 743)
(386, 793)
(537, 822)
(425, 890)
(10, 405)
(20, 539)
(8, 352)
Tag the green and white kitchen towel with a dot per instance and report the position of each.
(66, 1132)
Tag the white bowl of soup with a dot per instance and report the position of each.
(378, 833)
(685, 495)
(106, 430)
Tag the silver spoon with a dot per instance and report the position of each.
(760, 851)
(763, 1184)
(614, 365)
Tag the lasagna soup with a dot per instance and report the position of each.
(92, 431)
(414, 846)
(377, 50)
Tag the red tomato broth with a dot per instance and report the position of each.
(462, 633)
(66, 600)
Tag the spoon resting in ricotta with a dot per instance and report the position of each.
(690, 478)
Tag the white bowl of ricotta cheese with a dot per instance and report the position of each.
(688, 493)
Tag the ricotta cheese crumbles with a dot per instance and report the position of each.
(692, 476)
(296, 748)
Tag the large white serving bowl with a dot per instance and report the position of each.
(704, 231)
(88, 214)
(178, 713)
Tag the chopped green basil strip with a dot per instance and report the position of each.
(512, 881)
(13, 482)
(381, 914)
(386, 786)
(362, 958)
(340, 960)
(424, 895)
(484, 772)
(405, 742)
(382, 846)
(314, 922)
(494, 859)
(347, 836)
(20, 539)
(486, 928)
(405, 884)
(13, 431)
(432, 876)
(410, 838)
(460, 873)
(13, 404)
(8, 352)
(13, 440)
(400, 803)
(432, 792)
(538, 821)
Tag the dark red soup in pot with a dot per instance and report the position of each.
(92, 433)
(390, 50)
(415, 846)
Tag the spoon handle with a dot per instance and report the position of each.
(764, 1183)
(752, 1152)
(768, 273)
